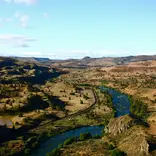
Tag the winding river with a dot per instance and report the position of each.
(53, 142)
(120, 102)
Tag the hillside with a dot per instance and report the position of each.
(89, 62)
(102, 62)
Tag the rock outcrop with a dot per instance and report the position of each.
(120, 124)
(135, 144)
(128, 136)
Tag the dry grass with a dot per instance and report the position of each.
(63, 91)
(91, 148)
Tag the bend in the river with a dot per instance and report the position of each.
(120, 102)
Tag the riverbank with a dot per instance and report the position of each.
(115, 99)
(137, 107)
(59, 139)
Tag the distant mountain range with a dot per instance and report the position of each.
(89, 62)
(103, 62)
(32, 59)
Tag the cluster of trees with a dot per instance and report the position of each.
(55, 152)
(117, 152)
(85, 136)
(82, 137)
(69, 141)
(108, 97)
(85, 96)
(138, 108)
(109, 102)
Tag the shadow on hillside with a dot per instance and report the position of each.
(42, 78)
(56, 103)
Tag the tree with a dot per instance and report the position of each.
(81, 102)
(27, 152)
(55, 152)
(138, 108)
(84, 136)
(69, 141)
(117, 152)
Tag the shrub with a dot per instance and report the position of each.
(27, 152)
(35, 144)
(138, 108)
(85, 136)
(16, 123)
(110, 147)
(85, 97)
(55, 152)
(20, 114)
(97, 136)
(81, 102)
(69, 141)
(72, 93)
(26, 119)
(117, 152)
(60, 146)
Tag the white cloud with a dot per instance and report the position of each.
(24, 19)
(16, 40)
(18, 52)
(28, 2)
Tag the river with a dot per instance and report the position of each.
(120, 102)
(53, 142)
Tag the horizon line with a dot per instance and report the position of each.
(76, 58)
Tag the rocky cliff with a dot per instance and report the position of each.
(128, 136)
(120, 124)
(134, 143)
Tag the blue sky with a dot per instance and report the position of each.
(77, 28)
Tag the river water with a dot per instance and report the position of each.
(120, 102)
(53, 142)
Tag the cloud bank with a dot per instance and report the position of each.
(16, 40)
(27, 2)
